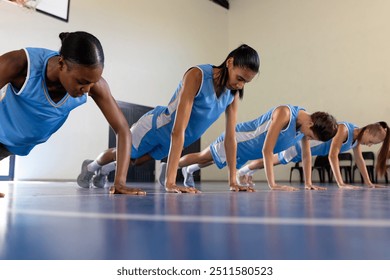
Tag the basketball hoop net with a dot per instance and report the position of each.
(28, 4)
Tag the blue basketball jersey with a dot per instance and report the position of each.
(250, 137)
(28, 115)
(318, 148)
(152, 133)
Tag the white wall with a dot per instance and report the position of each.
(148, 46)
(324, 55)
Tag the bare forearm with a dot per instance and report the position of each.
(334, 164)
(307, 172)
(363, 171)
(122, 156)
(269, 169)
(176, 148)
(231, 153)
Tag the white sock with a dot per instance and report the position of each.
(106, 169)
(244, 170)
(93, 166)
(192, 168)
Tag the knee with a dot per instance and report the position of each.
(107, 156)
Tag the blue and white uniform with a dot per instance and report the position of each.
(318, 148)
(28, 116)
(250, 137)
(152, 133)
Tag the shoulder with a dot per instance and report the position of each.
(17, 59)
(342, 129)
(282, 111)
(13, 64)
(194, 71)
(193, 74)
(281, 116)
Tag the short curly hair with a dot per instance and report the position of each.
(324, 125)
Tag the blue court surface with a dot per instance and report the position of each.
(60, 221)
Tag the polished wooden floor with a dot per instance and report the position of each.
(60, 221)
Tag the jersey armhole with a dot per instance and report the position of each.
(27, 76)
(201, 83)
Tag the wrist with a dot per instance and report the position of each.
(120, 182)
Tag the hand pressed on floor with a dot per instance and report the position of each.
(180, 189)
(238, 188)
(120, 189)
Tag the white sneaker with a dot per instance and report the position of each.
(99, 180)
(250, 181)
(242, 180)
(188, 178)
(84, 178)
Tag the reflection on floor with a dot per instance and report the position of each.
(58, 220)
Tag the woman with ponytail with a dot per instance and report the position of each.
(374, 134)
(39, 88)
(203, 94)
(348, 136)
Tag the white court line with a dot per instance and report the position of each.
(210, 219)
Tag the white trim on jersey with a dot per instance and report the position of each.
(248, 135)
(143, 126)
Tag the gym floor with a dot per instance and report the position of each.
(60, 221)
